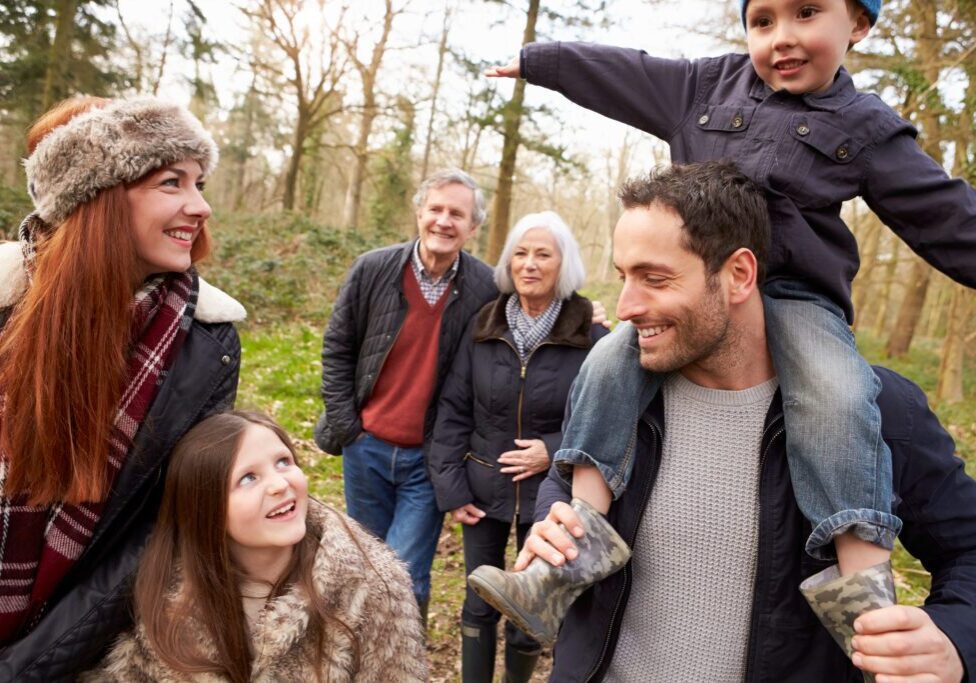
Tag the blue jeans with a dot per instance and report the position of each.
(840, 466)
(388, 492)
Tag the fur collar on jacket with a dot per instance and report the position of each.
(363, 582)
(572, 327)
(213, 305)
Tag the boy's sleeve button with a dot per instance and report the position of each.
(842, 152)
(803, 129)
(703, 119)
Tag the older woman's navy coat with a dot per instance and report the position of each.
(490, 398)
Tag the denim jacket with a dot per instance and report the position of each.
(932, 494)
(809, 152)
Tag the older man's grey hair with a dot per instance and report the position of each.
(453, 176)
(572, 273)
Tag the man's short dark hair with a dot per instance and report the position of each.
(722, 210)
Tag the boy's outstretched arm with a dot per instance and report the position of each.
(510, 70)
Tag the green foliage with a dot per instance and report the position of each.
(14, 205)
(388, 208)
(28, 31)
(283, 266)
(282, 368)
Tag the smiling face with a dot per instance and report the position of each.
(535, 266)
(681, 315)
(268, 498)
(798, 45)
(445, 222)
(168, 212)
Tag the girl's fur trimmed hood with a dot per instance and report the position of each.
(213, 305)
(367, 587)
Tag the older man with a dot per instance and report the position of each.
(391, 339)
(711, 592)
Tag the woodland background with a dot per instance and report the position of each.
(328, 115)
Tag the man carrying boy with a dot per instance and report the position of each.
(717, 537)
(789, 116)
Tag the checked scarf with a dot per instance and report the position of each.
(39, 544)
(527, 331)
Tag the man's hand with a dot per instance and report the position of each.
(467, 514)
(903, 645)
(531, 458)
(549, 540)
(510, 70)
(600, 314)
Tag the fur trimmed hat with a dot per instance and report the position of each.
(107, 146)
(872, 7)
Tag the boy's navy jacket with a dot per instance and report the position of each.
(932, 494)
(809, 152)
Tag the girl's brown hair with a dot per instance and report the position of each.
(63, 350)
(189, 548)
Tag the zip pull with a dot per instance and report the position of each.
(523, 372)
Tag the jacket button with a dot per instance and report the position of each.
(703, 119)
(803, 129)
(225, 360)
(842, 152)
(737, 121)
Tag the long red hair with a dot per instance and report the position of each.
(63, 350)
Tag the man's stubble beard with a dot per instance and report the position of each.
(704, 337)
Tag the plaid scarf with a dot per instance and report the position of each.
(39, 544)
(528, 332)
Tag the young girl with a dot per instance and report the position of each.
(246, 578)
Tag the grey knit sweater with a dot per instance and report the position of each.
(687, 618)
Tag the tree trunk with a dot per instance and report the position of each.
(512, 119)
(880, 324)
(354, 193)
(368, 72)
(929, 51)
(911, 309)
(295, 163)
(60, 53)
(936, 308)
(441, 51)
(950, 387)
(863, 283)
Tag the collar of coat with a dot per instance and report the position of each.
(213, 305)
(572, 327)
(342, 575)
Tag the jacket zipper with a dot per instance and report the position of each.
(777, 420)
(645, 494)
(471, 456)
(518, 414)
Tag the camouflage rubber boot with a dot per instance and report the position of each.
(839, 600)
(537, 598)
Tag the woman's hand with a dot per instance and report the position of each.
(531, 459)
(467, 514)
(600, 315)
(510, 70)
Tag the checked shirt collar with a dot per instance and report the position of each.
(432, 289)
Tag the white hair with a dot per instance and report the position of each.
(572, 273)
(453, 176)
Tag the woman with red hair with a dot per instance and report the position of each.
(111, 348)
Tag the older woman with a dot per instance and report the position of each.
(500, 416)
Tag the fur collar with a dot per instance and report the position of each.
(213, 305)
(572, 327)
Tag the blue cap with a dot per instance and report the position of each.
(872, 7)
